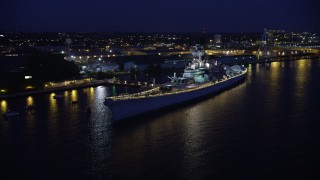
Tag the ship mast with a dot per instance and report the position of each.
(197, 53)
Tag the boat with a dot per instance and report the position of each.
(9, 114)
(200, 79)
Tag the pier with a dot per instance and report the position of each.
(70, 86)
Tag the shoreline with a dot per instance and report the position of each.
(64, 88)
(108, 82)
(282, 59)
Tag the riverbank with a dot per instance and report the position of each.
(69, 87)
(94, 83)
(280, 59)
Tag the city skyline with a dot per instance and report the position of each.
(164, 16)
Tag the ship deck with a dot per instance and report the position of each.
(156, 92)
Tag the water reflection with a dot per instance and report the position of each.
(193, 136)
(53, 107)
(4, 106)
(276, 78)
(100, 134)
(303, 72)
(91, 90)
(100, 93)
(90, 94)
(113, 92)
(74, 95)
(99, 139)
(302, 79)
(66, 94)
(275, 75)
(248, 121)
(257, 67)
(30, 101)
(30, 115)
(250, 71)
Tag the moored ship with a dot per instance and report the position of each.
(200, 78)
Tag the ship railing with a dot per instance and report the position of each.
(156, 93)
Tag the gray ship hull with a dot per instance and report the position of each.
(129, 108)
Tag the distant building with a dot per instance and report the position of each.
(130, 65)
(68, 49)
(217, 38)
(104, 67)
(235, 59)
(68, 44)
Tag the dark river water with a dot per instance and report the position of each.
(267, 127)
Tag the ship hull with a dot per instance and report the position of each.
(130, 108)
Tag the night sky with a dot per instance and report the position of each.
(159, 15)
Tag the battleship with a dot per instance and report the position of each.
(199, 79)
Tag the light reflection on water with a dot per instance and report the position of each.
(30, 101)
(302, 76)
(262, 125)
(4, 106)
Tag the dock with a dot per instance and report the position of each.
(92, 83)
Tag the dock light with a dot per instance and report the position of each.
(27, 77)
(3, 90)
(29, 87)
